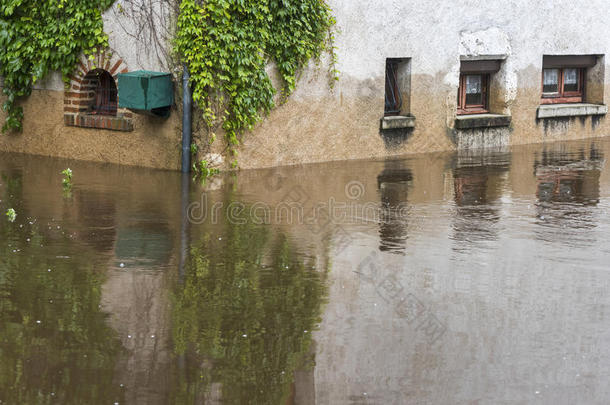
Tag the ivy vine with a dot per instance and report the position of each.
(39, 36)
(227, 45)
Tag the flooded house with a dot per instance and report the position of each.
(414, 77)
(433, 229)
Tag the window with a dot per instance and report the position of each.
(472, 94)
(105, 95)
(562, 85)
(572, 78)
(397, 99)
(92, 100)
(393, 98)
(475, 79)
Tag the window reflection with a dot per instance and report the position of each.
(567, 194)
(569, 178)
(478, 185)
(393, 183)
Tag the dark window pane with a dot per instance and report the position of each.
(105, 95)
(393, 98)
(550, 82)
(570, 79)
(474, 94)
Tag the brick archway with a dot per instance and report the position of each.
(81, 96)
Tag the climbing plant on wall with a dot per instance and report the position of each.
(227, 45)
(39, 36)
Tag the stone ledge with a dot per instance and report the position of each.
(571, 110)
(398, 122)
(119, 123)
(482, 121)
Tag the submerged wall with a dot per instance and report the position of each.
(319, 124)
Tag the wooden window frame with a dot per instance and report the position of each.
(106, 96)
(564, 97)
(393, 95)
(464, 108)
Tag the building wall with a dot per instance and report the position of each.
(154, 142)
(319, 124)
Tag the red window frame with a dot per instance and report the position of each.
(562, 96)
(464, 108)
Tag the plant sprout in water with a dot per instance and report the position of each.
(67, 180)
(11, 214)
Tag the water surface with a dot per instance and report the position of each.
(434, 279)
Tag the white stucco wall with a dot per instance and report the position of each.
(435, 33)
(128, 25)
(321, 124)
(318, 123)
(139, 30)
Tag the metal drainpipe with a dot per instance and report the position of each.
(187, 120)
(187, 127)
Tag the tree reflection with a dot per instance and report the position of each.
(243, 318)
(54, 340)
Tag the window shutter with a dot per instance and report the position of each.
(480, 66)
(575, 61)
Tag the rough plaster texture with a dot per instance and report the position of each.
(153, 143)
(318, 124)
(140, 31)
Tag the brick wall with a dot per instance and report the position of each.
(80, 97)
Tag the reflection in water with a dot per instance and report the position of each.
(144, 245)
(393, 184)
(478, 186)
(569, 178)
(509, 253)
(54, 339)
(244, 321)
(97, 213)
(567, 191)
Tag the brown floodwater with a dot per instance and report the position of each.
(472, 278)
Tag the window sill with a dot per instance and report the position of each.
(571, 110)
(398, 122)
(482, 121)
(561, 100)
(118, 123)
